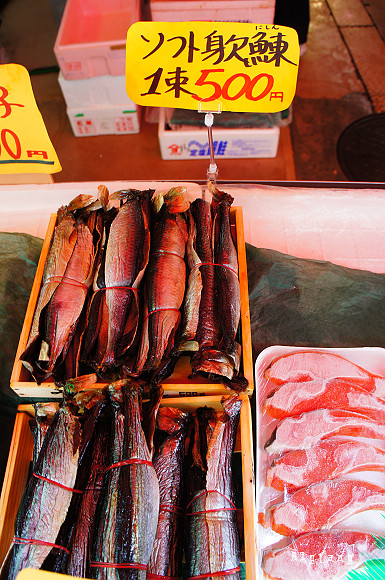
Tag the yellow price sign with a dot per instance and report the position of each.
(212, 66)
(31, 574)
(25, 146)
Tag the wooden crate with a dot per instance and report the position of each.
(21, 454)
(179, 384)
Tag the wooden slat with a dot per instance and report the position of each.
(15, 479)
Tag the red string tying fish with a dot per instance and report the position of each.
(173, 509)
(161, 310)
(210, 574)
(213, 264)
(132, 461)
(39, 543)
(57, 483)
(134, 566)
(67, 280)
(211, 510)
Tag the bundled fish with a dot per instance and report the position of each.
(114, 312)
(84, 518)
(67, 277)
(165, 281)
(212, 543)
(44, 413)
(49, 490)
(127, 514)
(166, 557)
(215, 256)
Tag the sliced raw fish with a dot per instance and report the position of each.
(323, 505)
(310, 364)
(307, 429)
(325, 460)
(319, 556)
(295, 398)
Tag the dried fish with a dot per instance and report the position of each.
(165, 282)
(212, 544)
(127, 514)
(49, 491)
(114, 311)
(166, 557)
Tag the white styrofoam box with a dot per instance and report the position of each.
(258, 11)
(91, 39)
(370, 358)
(228, 143)
(342, 225)
(27, 208)
(103, 91)
(113, 120)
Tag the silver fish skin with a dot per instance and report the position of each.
(44, 505)
(212, 543)
(129, 509)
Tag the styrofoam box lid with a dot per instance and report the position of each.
(103, 91)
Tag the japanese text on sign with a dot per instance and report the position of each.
(212, 65)
(24, 143)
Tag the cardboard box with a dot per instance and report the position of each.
(91, 40)
(258, 11)
(113, 120)
(179, 382)
(21, 453)
(228, 143)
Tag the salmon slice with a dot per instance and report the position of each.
(319, 556)
(322, 506)
(326, 460)
(308, 365)
(307, 429)
(295, 398)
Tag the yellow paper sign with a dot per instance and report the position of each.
(24, 143)
(30, 574)
(212, 66)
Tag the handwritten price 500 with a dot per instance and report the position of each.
(247, 88)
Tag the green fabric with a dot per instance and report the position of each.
(19, 255)
(300, 302)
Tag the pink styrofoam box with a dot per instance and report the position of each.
(91, 39)
(258, 11)
(372, 359)
(344, 226)
(103, 91)
(89, 121)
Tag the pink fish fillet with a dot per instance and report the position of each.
(295, 398)
(323, 505)
(326, 460)
(319, 556)
(310, 364)
(307, 429)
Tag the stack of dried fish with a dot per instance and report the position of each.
(113, 317)
(212, 305)
(212, 543)
(167, 553)
(98, 505)
(50, 490)
(67, 277)
(114, 298)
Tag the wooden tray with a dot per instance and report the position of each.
(21, 454)
(179, 383)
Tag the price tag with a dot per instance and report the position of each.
(216, 66)
(24, 143)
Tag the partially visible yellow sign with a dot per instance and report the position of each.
(212, 66)
(30, 574)
(25, 146)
